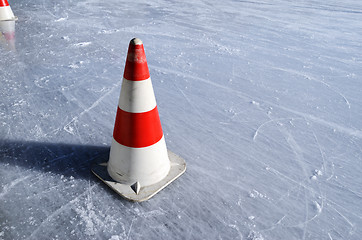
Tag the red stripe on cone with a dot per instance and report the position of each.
(136, 68)
(4, 3)
(137, 129)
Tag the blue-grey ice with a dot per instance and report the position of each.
(261, 98)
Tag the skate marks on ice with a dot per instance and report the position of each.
(310, 186)
(335, 126)
(315, 199)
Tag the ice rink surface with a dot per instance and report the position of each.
(262, 99)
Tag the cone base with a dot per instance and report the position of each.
(178, 167)
(15, 18)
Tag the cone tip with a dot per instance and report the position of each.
(4, 3)
(136, 41)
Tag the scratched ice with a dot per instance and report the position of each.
(262, 99)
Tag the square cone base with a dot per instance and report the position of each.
(178, 167)
(15, 18)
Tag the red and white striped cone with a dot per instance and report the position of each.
(6, 14)
(7, 29)
(139, 164)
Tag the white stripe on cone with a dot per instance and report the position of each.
(6, 13)
(146, 165)
(137, 96)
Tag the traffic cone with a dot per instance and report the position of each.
(6, 14)
(139, 164)
(7, 30)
